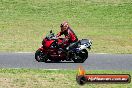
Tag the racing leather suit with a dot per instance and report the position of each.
(69, 34)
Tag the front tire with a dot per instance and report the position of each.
(81, 56)
(40, 56)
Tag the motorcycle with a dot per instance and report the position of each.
(55, 50)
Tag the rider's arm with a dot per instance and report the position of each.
(59, 34)
(72, 36)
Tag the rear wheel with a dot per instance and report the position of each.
(81, 56)
(40, 56)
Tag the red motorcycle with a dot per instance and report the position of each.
(55, 50)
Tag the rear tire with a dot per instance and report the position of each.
(40, 56)
(81, 56)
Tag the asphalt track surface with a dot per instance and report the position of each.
(94, 62)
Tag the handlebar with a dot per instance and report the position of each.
(54, 38)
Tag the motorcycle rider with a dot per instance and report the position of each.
(70, 36)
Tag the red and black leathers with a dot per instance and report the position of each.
(69, 34)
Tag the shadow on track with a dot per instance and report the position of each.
(59, 62)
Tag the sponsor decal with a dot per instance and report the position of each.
(83, 78)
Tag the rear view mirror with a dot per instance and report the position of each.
(50, 31)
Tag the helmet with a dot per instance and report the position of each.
(64, 26)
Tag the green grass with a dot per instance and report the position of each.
(36, 78)
(107, 22)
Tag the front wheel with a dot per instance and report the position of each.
(40, 56)
(81, 56)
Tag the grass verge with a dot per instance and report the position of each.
(107, 22)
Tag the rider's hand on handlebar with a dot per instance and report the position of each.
(65, 39)
(58, 37)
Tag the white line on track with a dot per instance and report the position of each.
(38, 69)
